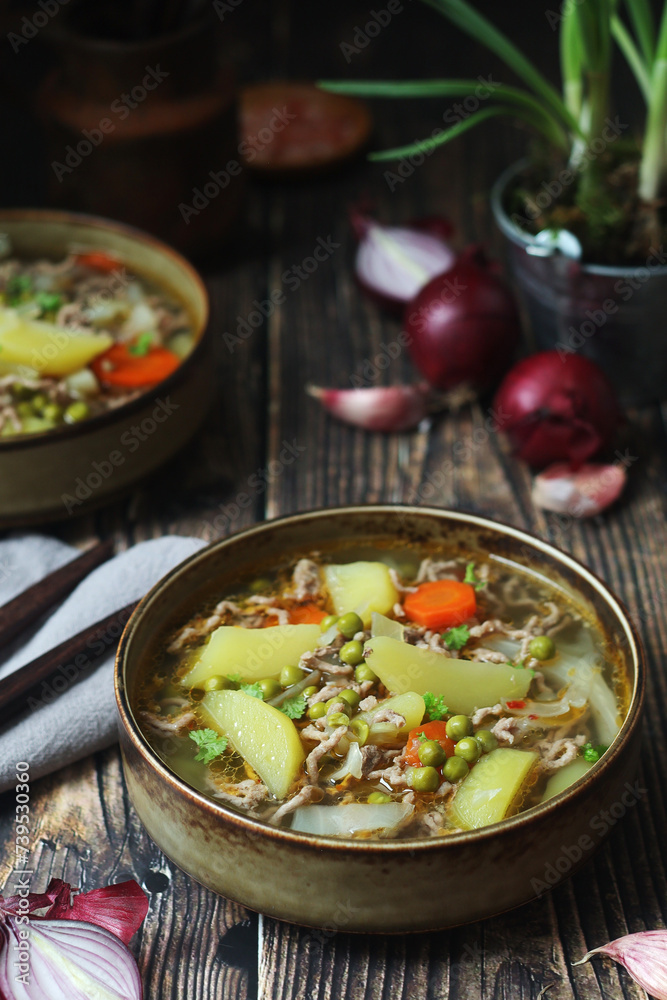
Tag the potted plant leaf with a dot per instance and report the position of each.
(583, 215)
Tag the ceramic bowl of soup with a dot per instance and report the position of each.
(104, 369)
(379, 718)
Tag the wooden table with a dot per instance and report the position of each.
(194, 944)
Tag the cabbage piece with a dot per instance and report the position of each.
(351, 765)
(344, 820)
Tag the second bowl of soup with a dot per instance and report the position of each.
(378, 701)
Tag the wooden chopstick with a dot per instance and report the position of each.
(28, 606)
(44, 678)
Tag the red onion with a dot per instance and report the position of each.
(394, 262)
(583, 493)
(61, 957)
(463, 325)
(557, 407)
(394, 408)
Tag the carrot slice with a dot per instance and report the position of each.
(441, 603)
(118, 366)
(306, 614)
(99, 261)
(436, 730)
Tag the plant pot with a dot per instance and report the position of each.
(146, 131)
(613, 315)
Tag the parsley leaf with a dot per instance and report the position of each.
(423, 738)
(142, 345)
(234, 678)
(18, 287)
(210, 743)
(591, 753)
(48, 301)
(435, 705)
(295, 707)
(254, 690)
(471, 577)
(457, 637)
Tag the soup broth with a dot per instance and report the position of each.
(383, 693)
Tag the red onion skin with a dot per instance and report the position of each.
(557, 407)
(463, 325)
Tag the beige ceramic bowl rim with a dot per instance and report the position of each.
(577, 790)
(49, 216)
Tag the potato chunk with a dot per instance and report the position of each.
(252, 652)
(410, 705)
(265, 737)
(45, 347)
(465, 684)
(363, 587)
(492, 787)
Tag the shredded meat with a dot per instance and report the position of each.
(370, 758)
(368, 703)
(191, 633)
(431, 821)
(313, 732)
(438, 569)
(482, 713)
(488, 655)
(306, 579)
(400, 587)
(314, 661)
(559, 752)
(315, 756)
(445, 788)
(328, 691)
(554, 616)
(309, 793)
(393, 775)
(506, 730)
(398, 611)
(246, 794)
(165, 725)
(388, 715)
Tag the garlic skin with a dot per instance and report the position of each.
(643, 955)
(581, 493)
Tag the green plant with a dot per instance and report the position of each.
(571, 121)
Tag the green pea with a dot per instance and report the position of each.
(469, 749)
(458, 727)
(364, 673)
(361, 729)
(346, 707)
(270, 687)
(327, 622)
(349, 624)
(351, 697)
(216, 683)
(317, 711)
(455, 769)
(261, 585)
(376, 797)
(39, 401)
(423, 779)
(352, 653)
(291, 675)
(76, 412)
(338, 719)
(52, 412)
(486, 740)
(25, 409)
(542, 647)
(431, 754)
(310, 690)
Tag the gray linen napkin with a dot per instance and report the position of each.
(82, 719)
